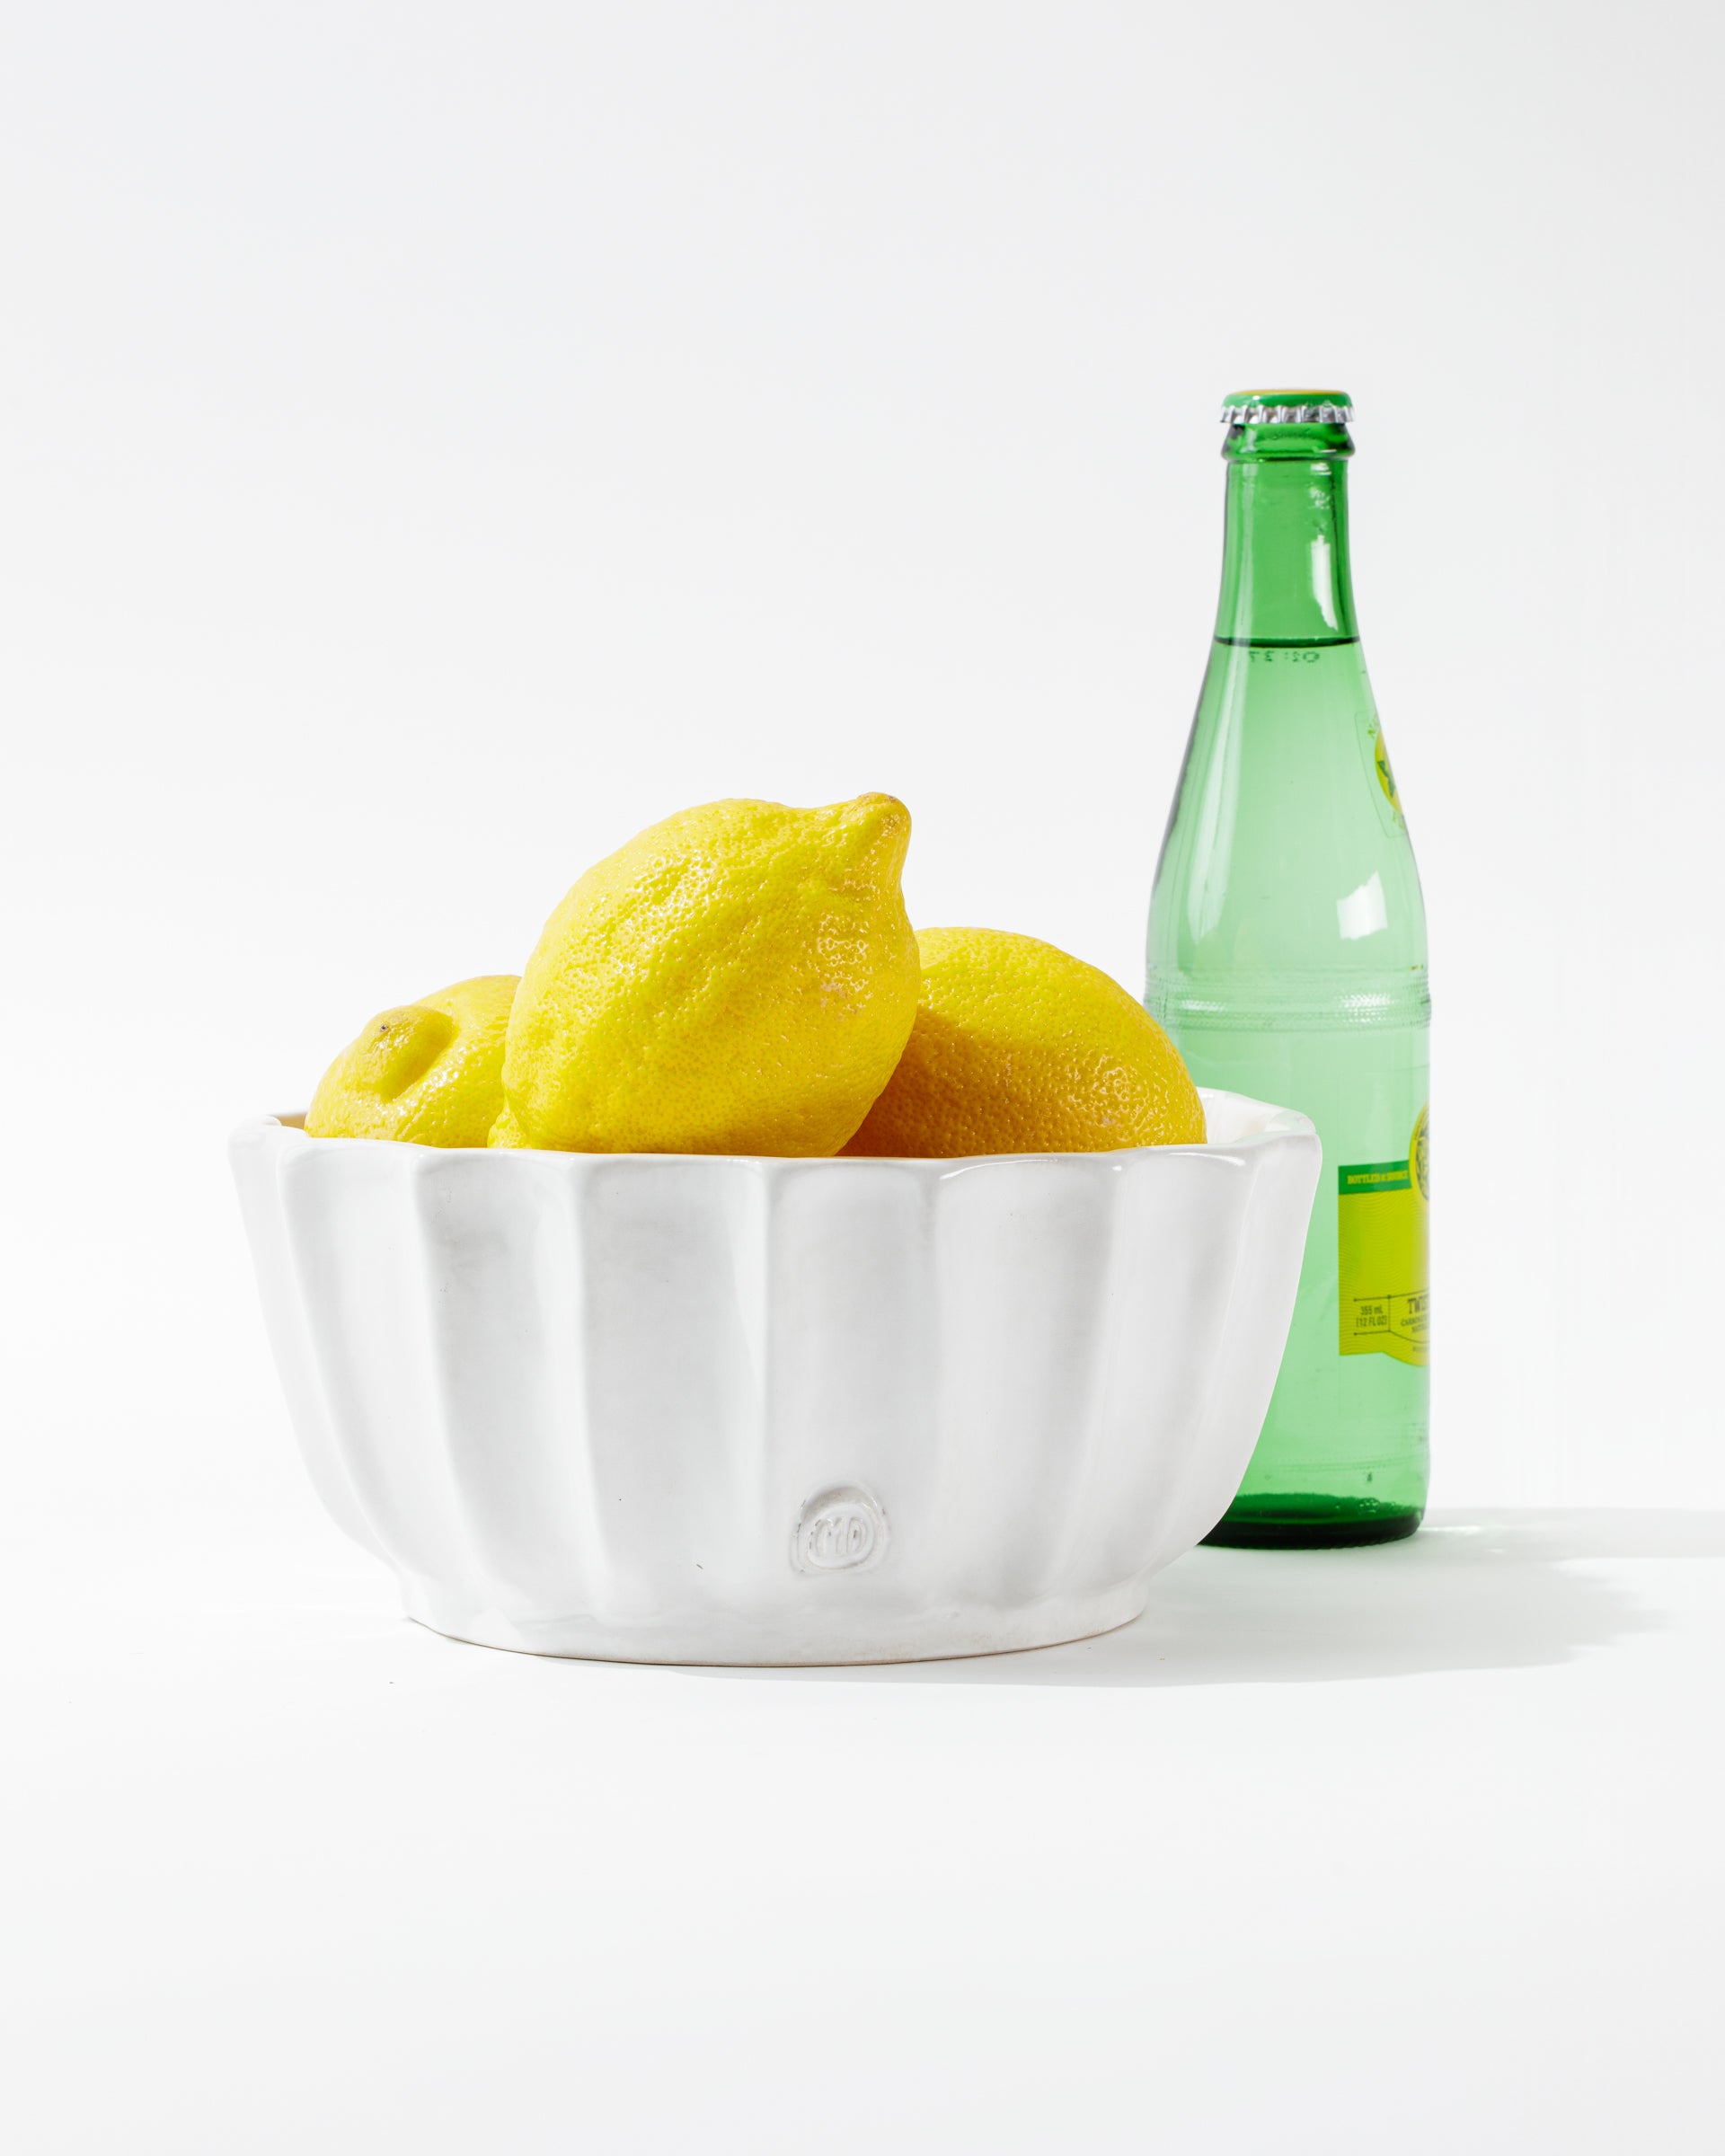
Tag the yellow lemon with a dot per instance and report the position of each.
(505, 1130)
(431, 1072)
(739, 978)
(1019, 1048)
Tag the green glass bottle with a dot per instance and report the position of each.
(1287, 960)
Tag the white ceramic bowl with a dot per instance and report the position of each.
(669, 1408)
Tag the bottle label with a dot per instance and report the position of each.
(1381, 1251)
(1381, 765)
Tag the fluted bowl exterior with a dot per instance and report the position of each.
(700, 1409)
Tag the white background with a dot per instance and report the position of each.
(439, 440)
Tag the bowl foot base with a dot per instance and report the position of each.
(789, 1641)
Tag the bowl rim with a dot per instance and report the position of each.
(1278, 1126)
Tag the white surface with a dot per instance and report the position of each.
(438, 441)
(603, 1405)
(1415, 1847)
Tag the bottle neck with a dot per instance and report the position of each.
(1286, 578)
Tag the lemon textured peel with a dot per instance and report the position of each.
(430, 1073)
(741, 977)
(1019, 1047)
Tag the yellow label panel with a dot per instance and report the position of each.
(1386, 776)
(1381, 1249)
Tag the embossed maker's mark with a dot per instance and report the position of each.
(839, 1531)
(840, 1537)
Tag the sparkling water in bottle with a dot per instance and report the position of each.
(1287, 960)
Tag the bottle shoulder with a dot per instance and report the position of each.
(1288, 853)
